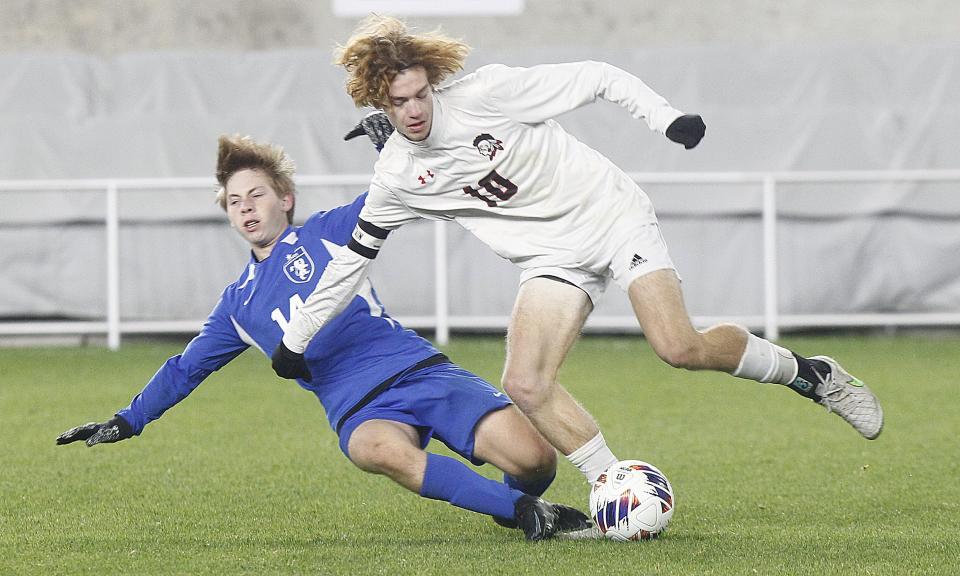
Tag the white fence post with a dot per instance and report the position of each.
(113, 266)
(771, 327)
(441, 279)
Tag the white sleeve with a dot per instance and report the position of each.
(337, 286)
(383, 209)
(343, 276)
(542, 92)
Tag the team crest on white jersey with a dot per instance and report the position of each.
(299, 266)
(487, 145)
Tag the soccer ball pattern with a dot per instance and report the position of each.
(631, 501)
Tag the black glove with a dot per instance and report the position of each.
(114, 430)
(687, 130)
(376, 126)
(288, 364)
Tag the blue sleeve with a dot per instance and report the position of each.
(337, 224)
(217, 344)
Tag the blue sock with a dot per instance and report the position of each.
(451, 481)
(535, 488)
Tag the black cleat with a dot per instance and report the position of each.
(537, 518)
(570, 519)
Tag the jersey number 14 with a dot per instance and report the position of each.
(296, 303)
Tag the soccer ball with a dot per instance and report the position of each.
(632, 500)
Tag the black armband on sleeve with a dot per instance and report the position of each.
(367, 239)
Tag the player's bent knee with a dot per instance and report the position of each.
(531, 466)
(543, 462)
(507, 439)
(525, 391)
(379, 455)
(366, 456)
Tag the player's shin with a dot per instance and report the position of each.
(452, 481)
(765, 361)
(534, 487)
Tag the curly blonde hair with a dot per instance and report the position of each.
(381, 47)
(238, 153)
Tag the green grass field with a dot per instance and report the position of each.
(244, 477)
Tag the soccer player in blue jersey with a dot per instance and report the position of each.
(386, 391)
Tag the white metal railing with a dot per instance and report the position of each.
(770, 322)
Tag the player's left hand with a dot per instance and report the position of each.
(289, 364)
(376, 126)
(687, 130)
(113, 430)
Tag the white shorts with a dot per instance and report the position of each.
(629, 250)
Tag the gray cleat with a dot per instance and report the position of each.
(849, 398)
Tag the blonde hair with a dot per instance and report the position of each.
(381, 47)
(238, 153)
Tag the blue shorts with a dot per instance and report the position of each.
(443, 401)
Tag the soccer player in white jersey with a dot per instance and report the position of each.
(485, 152)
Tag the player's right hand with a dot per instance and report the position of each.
(289, 364)
(113, 430)
(376, 126)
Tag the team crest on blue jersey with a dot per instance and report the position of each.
(487, 145)
(299, 267)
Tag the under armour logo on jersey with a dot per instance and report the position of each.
(424, 177)
(299, 266)
(487, 145)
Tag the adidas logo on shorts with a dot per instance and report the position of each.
(637, 260)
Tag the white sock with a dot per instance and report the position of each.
(764, 361)
(593, 458)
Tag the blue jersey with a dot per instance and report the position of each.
(348, 358)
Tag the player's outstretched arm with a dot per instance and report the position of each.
(687, 130)
(541, 92)
(113, 430)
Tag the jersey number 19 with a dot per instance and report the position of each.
(496, 186)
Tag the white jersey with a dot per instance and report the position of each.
(497, 164)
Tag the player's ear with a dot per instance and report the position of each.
(287, 202)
